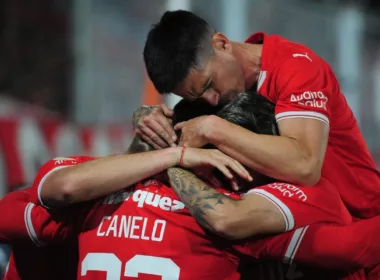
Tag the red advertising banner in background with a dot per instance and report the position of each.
(29, 140)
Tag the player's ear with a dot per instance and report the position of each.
(220, 42)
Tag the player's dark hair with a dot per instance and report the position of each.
(138, 146)
(186, 110)
(253, 112)
(173, 46)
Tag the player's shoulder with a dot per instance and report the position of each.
(59, 162)
(279, 186)
(18, 195)
(231, 194)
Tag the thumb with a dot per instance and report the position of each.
(179, 126)
(167, 111)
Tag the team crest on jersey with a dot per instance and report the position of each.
(60, 160)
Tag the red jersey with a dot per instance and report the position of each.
(302, 85)
(302, 206)
(28, 259)
(142, 231)
(155, 226)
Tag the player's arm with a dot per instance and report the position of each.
(66, 182)
(85, 181)
(23, 221)
(230, 218)
(297, 154)
(12, 220)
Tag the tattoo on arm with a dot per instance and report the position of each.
(202, 200)
(141, 112)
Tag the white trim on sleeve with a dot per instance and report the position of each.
(29, 225)
(43, 181)
(294, 244)
(285, 211)
(302, 114)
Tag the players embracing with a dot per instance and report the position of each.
(130, 224)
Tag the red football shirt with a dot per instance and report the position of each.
(158, 230)
(29, 260)
(302, 85)
(143, 231)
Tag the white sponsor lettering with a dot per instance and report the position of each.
(143, 198)
(156, 200)
(133, 227)
(289, 190)
(315, 99)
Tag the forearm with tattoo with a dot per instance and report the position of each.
(204, 202)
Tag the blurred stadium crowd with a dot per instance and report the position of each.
(71, 72)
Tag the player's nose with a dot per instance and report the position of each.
(211, 96)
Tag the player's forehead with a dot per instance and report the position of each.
(194, 84)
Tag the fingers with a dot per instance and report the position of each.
(222, 168)
(152, 137)
(179, 126)
(234, 165)
(150, 142)
(168, 133)
(158, 124)
(167, 111)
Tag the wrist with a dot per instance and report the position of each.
(212, 128)
(174, 155)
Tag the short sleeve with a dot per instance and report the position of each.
(46, 227)
(47, 169)
(305, 87)
(22, 220)
(12, 221)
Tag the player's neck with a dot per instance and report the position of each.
(249, 57)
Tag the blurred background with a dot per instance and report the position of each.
(72, 73)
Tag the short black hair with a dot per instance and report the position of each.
(172, 47)
(186, 110)
(253, 112)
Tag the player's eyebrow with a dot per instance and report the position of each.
(206, 85)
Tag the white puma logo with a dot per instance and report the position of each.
(301, 55)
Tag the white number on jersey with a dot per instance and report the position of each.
(112, 265)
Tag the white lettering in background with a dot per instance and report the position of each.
(133, 227)
(314, 99)
(289, 190)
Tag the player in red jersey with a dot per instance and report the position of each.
(149, 219)
(234, 219)
(37, 223)
(29, 259)
(318, 130)
(140, 198)
(290, 210)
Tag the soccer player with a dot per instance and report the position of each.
(83, 184)
(234, 218)
(149, 219)
(275, 215)
(317, 130)
(29, 259)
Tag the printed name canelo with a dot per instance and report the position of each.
(133, 227)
